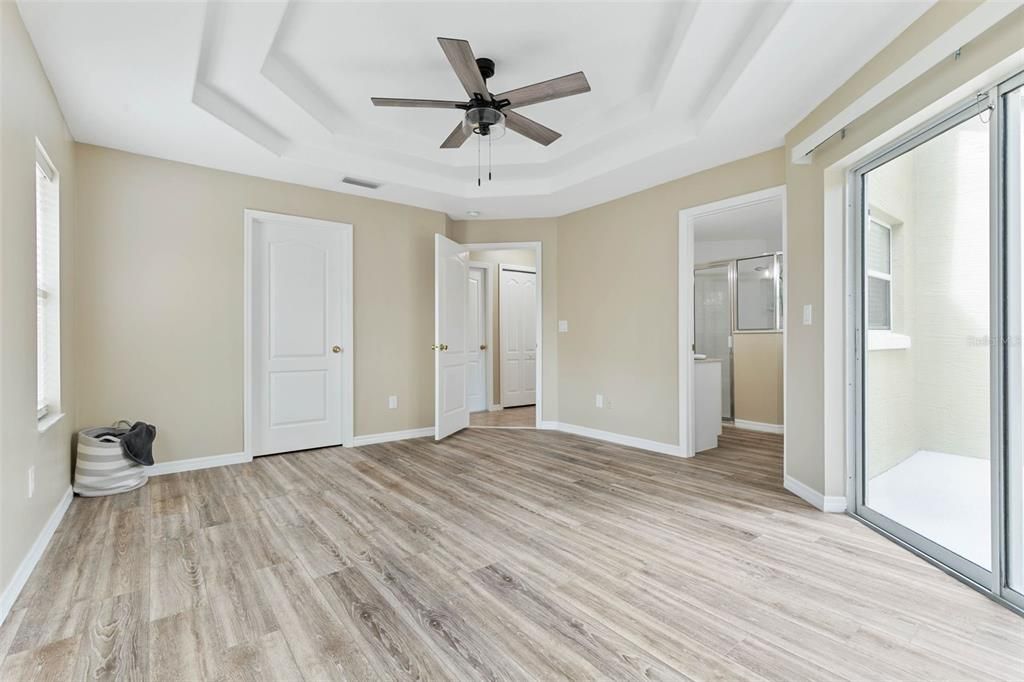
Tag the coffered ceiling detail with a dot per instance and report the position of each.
(282, 90)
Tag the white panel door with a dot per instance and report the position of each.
(517, 294)
(298, 300)
(476, 344)
(451, 278)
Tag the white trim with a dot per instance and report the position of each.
(374, 438)
(347, 334)
(550, 426)
(833, 504)
(759, 426)
(509, 267)
(538, 252)
(971, 26)
(175, 466)
(687, 216)
(883, 339)
(35, 553)
(495, 407)
(617, 438)
(488, 269)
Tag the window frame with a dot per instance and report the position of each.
(876, 274)
(48, 282)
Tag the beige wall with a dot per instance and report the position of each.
(498, 257)
(809, 458)
(28, 109)
(160, 293)
(545, 231)
(757, 374)
(618, 290)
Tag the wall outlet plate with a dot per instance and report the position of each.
(392, 402)
(599, 400)
(31, 480)
(563, 326)
(808, 314)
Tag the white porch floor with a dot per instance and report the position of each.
(941, 496)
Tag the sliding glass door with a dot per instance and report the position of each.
(939, 409)
(1010, 481)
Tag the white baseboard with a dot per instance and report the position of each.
(178, 465)
(758, 426)
(618, 438)
(495, 408)
(826, 503)
(389, 436)
(14, 588)
(552, 426)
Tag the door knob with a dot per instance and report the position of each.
(335, 349)
(483, 346)
(439, 346)
(444, 346)
(434, 346)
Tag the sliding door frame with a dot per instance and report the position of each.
(990, 582)
(1008, 229)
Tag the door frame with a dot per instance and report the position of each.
(488, 269)
(687, 218)
(250, 216)
(538, 253)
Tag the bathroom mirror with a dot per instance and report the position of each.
(757, 294)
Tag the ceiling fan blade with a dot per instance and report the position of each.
(456, 138)
(460, 54)
(527, 127)
(556, 88)
(420, 103)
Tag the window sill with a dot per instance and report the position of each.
(886, 340)
(48, 421)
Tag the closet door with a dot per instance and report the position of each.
(517, 296)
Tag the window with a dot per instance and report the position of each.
(47, 286)
(878, 261)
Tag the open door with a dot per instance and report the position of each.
(451, 277)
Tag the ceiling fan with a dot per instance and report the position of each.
(487, 114)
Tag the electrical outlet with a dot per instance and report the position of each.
(392, 402)
(31, 481)
(598, 400)
(808, 314)
(563, 326)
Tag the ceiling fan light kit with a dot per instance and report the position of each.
(487, 115)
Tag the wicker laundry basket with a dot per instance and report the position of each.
(101, 467)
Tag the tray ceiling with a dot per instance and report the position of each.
(282, 90)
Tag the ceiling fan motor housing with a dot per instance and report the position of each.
(485, 120)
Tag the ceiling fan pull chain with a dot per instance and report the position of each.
(489, 158)
(477, 160)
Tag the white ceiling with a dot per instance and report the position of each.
(282, 90)
(760, 222)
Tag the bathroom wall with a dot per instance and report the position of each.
(757, 372)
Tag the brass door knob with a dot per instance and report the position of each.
(434, 346)
(335, 349)
(444, 346)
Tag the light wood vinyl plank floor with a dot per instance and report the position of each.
(498, 555)
(523, 417)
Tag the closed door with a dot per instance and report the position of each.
(451, 279)
(300, 292)
(517, 293)
(476, 346)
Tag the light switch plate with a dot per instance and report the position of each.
(563, 325)
(808, 314)
(31, 481)
(392, 402)
(599, 400)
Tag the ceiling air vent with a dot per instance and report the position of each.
(366, 184)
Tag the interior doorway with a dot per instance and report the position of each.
(732, 312)
(490, 376)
